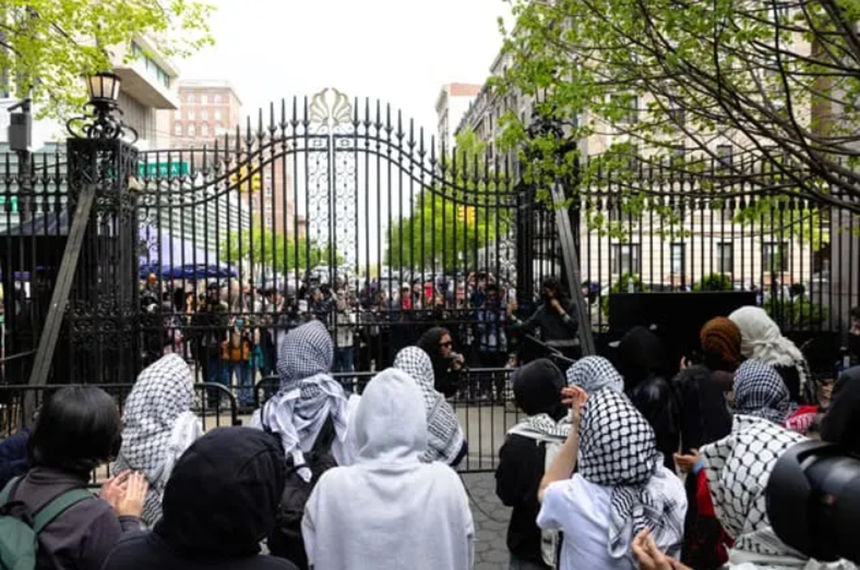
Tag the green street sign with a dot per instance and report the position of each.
(162, 169)
(13, 203)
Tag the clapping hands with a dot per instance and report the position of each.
(126, 493)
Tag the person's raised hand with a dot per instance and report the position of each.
(686, 463)
(574, 397)
(649, 557)
(113, 489)
(131, 502)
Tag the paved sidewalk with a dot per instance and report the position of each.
(491, 521)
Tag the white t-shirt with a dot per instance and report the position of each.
(580, 510)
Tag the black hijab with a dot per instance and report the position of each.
(639, 357)
(537, 388)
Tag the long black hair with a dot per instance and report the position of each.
(78, 429)
(429, 343)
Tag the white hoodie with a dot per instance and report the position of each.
(389, 511)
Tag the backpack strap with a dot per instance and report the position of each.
(59, 505)
(9, 490)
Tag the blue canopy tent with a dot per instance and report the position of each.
(172, 258)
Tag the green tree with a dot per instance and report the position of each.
(280, 253)
(464, 210)
(50, 44)
(776, 83)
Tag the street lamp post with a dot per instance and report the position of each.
(545, 127)
(99, 314)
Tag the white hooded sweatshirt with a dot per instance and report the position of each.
(389, 511)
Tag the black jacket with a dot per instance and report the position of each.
(218, 505)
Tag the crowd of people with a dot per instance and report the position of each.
(616, 463)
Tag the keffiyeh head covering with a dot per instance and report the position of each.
(162, 395)
(617, 448)
(759, 391)
(762, 340)
(594, 373)
(308, 394)
(305, 352)
(738, 468)
(444, 435)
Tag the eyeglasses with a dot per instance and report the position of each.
(448, 344)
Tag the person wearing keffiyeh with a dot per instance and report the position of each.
(762, 340)
(738, 469)
(445, 439)
(523, 457)
(593, 373)
(760, 391)
(158, 426)
(621, 486)
(308, 396)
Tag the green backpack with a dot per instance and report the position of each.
(19, 530)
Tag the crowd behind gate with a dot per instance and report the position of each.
(619, 462)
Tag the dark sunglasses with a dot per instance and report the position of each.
(448, 344)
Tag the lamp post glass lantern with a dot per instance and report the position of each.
(103, 118)
(104, 88)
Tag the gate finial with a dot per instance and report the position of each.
(330, 107)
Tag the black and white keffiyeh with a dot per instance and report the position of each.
(618, 449)
(158, 426)
(308, 394)
(760, 391)
(593, 373)
(444, 434)
(542, 428)
(738, 468)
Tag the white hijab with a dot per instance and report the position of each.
(762, 340)
(390, 507)
(158, 426)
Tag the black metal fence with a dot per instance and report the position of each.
(483, 404)
(343, 210)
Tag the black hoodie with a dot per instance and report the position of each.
(537, 390)
(640, 358)
(218, 505)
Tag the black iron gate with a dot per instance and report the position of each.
(328, 206)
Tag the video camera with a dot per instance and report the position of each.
(813, 501)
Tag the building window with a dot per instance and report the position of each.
(152, 68)
(204, 129)
(189, 98)
(725, 257)
(677, 116)
(774, 257)
(204, 99)
(679, 262)
(626, 258)
(679, 152)
(204, 114)
(177, 129)
(724, 154)
(189, 114)
(216, 99)
(217, 114)
(191, 130)
(268, 221)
